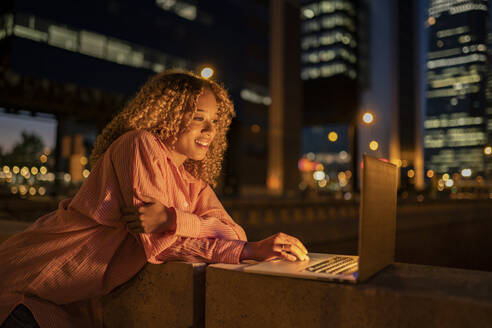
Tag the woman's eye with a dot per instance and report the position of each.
(198, 118)
(215, 121)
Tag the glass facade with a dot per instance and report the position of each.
(457, 124)
(328, 41)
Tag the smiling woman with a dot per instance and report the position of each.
(148, 199)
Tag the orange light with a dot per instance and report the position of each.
(332, 136)
(430, 174)
(374, 145)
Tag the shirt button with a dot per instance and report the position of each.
(185, 204)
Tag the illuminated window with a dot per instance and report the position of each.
(63, 38)
(255, 97)
(92, 44)
(181, 8)
(88, 43)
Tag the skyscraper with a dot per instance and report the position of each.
(329, 69)
(457, 122)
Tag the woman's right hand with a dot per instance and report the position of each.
(279, 245)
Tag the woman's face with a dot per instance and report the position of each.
(194, 142)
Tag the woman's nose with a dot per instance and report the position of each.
(209, 127)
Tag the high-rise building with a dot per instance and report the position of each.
(458, 123)
(329, 70)
(329, 61)
(328, 39)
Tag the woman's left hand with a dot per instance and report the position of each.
(153, 216)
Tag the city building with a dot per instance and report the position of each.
(329, 70)
(458, 121)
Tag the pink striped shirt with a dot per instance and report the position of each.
(63, 263)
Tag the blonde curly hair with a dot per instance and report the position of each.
(160, 107)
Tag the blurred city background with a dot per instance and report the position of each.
(315, 84)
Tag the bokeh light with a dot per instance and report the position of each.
(207, 72)
(373, 145)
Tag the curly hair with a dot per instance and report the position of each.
(160, 107)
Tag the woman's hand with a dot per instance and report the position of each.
(278, 245)
(153, 216)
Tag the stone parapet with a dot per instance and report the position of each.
(403, 295)
(160, 295)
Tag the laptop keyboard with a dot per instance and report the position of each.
(335, 265)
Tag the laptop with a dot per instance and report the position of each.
(377, 229)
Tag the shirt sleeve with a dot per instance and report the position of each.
(142, 169)
(209, 219)
(208, 250)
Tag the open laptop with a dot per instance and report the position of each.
(377, 228)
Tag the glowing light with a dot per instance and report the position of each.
(255, 128)
(411, 173)
(343, 155)
(430, 174)
(32, 191)
(50, 176)
(42, 191)
(43, 170)
(319, 175)
(34, 170)
(348, 174)
(466, 172)
(43, 158)
(373, 145)
(445, 177)
(22, 190)
(341, 176)
(431, 20)
(306, 165)
(67, 177)
(332, 136)
(207, 72)
(449, 183)
(24, 171)
(6, 169)
(487, 150)
(310, 156)
(367, 118)
(16, 170)
(322, 183)
(86, 173)
(83, 160)
(308, 13)
(14, 189)
(320, 167)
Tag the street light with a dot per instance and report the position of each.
(487, 150)
(367, 118)
(374, 145)
(207, 72)
(332, 136)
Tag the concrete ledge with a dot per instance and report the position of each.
(403, 295)
(164, 295)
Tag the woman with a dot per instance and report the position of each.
(148, 199)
